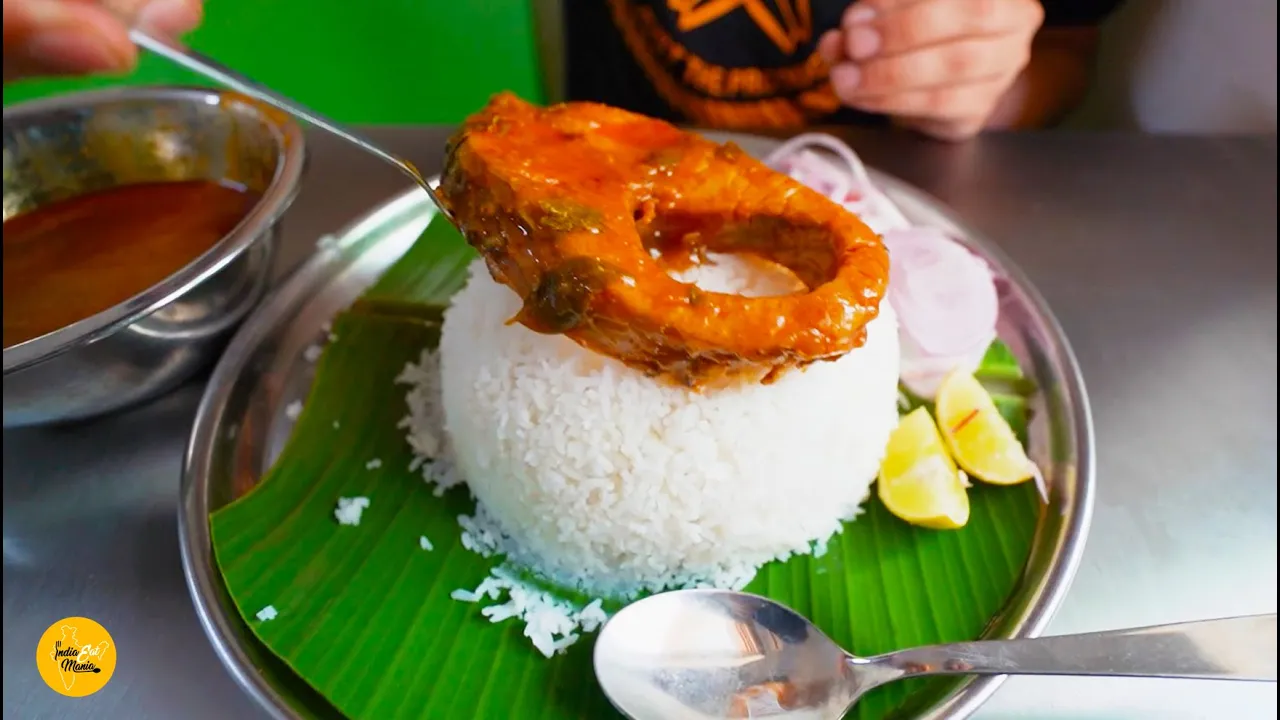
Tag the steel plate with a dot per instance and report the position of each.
(241, 427)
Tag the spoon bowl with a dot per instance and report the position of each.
(700, 654)
(715, 654)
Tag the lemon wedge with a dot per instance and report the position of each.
(918, 481)
(978, 435)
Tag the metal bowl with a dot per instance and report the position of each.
(80, 143)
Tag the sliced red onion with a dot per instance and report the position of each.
(849, 186)
(828, 142)
(811, 169)
(1042, 486)
(944, 295)
(923, 373)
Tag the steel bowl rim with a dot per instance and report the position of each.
(1030, 610)
(280, 192)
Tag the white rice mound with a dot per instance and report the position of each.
(612, 483)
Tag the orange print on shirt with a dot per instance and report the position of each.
(788, 96)
(791, 26)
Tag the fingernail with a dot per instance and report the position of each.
(72, 52)
(169, 17)
(845, 78)
(859, 14)
(862, 42)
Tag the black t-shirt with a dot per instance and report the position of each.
(734, 64)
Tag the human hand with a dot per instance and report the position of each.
(76, 37)
(937, 66)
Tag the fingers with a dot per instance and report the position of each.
(168, 18)
(937, 66)
(967, 100)
(74, 37)
(831, 47)
(955, 63)
(947, 130)
(891, 27)
(49, 37)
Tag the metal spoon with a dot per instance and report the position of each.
(220, 73)
(720, 654)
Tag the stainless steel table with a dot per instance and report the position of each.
(1158, 255)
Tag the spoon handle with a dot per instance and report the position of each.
(1240, 648)
(216, 71)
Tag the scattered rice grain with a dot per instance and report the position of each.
(350, 509)
(551, 623)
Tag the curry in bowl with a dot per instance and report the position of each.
(77, 257)
(139, 231)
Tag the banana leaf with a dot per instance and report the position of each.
(364, 615)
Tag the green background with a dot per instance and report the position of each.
(358, 61)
